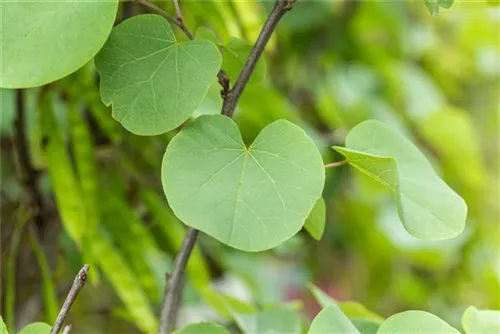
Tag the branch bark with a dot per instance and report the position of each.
(174, 283)
(279, 9)
(173, 286)
(77, 285)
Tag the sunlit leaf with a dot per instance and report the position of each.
(206, 34)
(428, 208)
(332, 320)
(476, 321)
(36, 328)
(153, 82)
(415, 322)
(203, 328)
(315, 222)
(251, 198)
(43, 41)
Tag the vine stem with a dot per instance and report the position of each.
(279, 9)
(173, 287)
(77, 285)
(335, 164)
(175, 281)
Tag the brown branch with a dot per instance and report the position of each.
(335, 164)
(279, 9)
(174, 283)
(222, 77)
(29, 174)
(77, 285)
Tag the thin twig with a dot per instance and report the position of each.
(66, 329)
(174, 283)
(222, 77)
(335, 164)
(279, 9)
(77, 285)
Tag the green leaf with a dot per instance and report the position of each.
(445, 3)
(43, 41)
(153, 82)
(415, 322)
(225, 305)
(234, 56)
(315, 222)
(36, 328)
(432, 6)
(332, 320)
(125, 283)
(62, 176)
(277, 321)
(366, 326)
(8, 104)
(206, 34)
(476, 321)
(251, 198)
(428, 207)
(3, 327)
(203, 328)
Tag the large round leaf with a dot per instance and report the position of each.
(153, 82)
(43, 41)
(415, 322)
(250, 198)
(427, 206)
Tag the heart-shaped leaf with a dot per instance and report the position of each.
(428, 207)
(249, 198)
(43, 41)
(153, 82)
(476, 321)
(415, 322)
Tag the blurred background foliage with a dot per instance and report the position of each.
(329, 66)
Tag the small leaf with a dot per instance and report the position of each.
(3, 327)
(476, 321)
(332, 320)
(315, 222)
(36, 328)
(43, 41)
(428, 207)
(153, 82)
(251, 198)
(203, 328)
(366, 326)
(226, 306)
(234, 56)
(415, 322)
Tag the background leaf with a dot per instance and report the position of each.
(202, 328)
(36, 328)
(332, 320)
